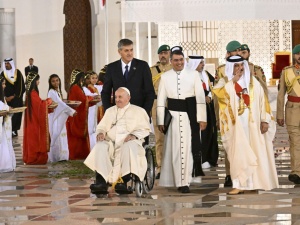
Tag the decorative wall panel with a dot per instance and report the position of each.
(287, 35)
(210, 38)
(169, 34)
(199, 38)
(77, 37)
(259, 36)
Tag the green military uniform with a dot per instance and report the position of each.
(290, 84)
(258, 73)
(156, 72)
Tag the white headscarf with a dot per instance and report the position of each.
(244, 81)
(192, 63)
(10, 74)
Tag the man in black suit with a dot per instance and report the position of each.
(14, 90)
(131, 73)
(31, 67)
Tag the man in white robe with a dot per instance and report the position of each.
(247, 128)
(119, 151)
(182, 153)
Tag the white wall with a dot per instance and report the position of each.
(39, 34)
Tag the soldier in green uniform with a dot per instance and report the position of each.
(290, 85)
(157, 70)
(255, 70)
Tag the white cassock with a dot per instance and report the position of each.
(7, 154)
(114, 158)
(59, 149)
(92, 118)
(177, 164)
(250, 153)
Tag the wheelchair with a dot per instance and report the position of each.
(137, 186)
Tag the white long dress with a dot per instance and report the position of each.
(177, 164)
(92, 119)
(7, 154)
(59, 149)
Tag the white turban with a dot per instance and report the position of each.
(244, 81)
(10, 74)
(193, 61)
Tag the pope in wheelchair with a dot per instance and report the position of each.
(119, 154)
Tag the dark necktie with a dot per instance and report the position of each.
(126, 72)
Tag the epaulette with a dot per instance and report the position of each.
(287, 67)
(257, 67)
(220, 66)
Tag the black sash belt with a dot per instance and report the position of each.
(179, 105)
(189, 105)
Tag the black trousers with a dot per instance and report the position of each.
(209, 137)
(16, 119)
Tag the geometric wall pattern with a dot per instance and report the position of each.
(260, 36)
(199, 38)
(264, 38)
(169, 34)
(287, 35)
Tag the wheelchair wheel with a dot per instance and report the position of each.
(149, 180)
(138, 188)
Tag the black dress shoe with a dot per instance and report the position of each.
(185, 189)
(157, 176)
(228, 181)
(95, 188)
(294, 178)
(121, 188)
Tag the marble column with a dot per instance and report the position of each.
(7, 34)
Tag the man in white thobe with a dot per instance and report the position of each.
(182, 90)
(247, 128)
(118, 152)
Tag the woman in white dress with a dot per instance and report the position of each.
(59, 149)
(7, 154)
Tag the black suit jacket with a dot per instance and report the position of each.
(139, 84)
(34, 68)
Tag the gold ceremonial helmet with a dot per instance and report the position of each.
(30, 77)
(74, 74)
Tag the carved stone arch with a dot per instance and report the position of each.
(77, 37)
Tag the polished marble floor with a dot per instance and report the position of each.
(27, 196)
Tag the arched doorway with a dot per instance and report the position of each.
(77, 37)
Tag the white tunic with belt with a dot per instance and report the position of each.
(177, 163)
